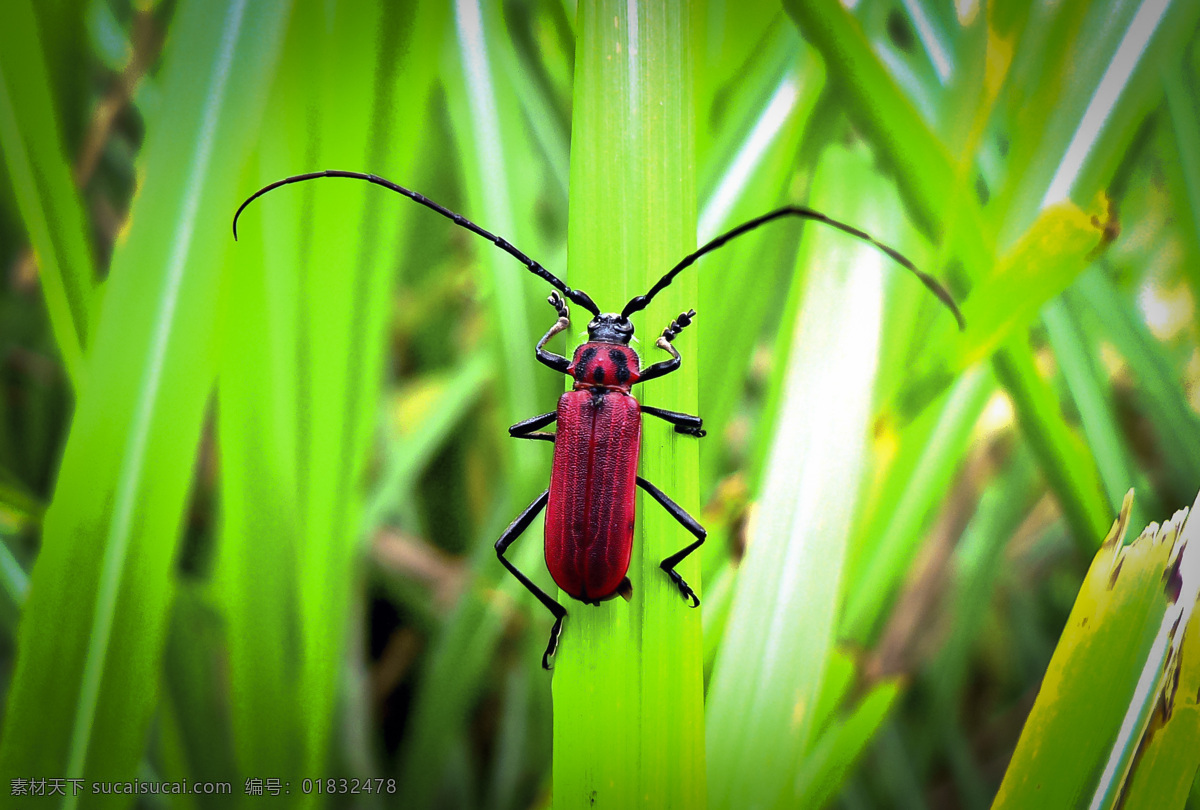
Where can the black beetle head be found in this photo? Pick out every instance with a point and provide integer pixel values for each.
(610, 328)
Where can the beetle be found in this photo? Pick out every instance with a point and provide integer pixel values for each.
(589, 504)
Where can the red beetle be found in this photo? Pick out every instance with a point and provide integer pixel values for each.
(590, 502)
(590, 514)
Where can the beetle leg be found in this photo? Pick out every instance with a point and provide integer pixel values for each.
(515, 530)
(665, 343)
(683, 422)
(555, 361)
(689, 523)
(525, 429)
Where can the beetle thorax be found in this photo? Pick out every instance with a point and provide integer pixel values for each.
(605, 365)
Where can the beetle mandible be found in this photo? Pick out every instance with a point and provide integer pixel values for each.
(590, 502)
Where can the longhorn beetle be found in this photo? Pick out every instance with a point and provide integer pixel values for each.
(590, 502)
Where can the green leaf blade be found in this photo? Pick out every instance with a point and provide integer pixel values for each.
(628, 704)
(93, 630)
(782, 629)
(49, 202)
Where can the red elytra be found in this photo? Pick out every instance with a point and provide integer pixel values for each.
(590, 516)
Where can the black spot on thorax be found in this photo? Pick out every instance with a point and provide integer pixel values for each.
(585, 360)
(622, 365)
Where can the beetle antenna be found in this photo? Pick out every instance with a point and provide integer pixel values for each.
(578, 296)
(639, 302)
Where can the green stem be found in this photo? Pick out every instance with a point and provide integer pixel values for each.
(628, 719)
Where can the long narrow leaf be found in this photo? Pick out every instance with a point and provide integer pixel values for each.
(493, 146)
(927, 174)
(1116, 663)
(93, 629)
(318, 263)
(34, 153)
(628, 710)
(781, 631)
(1066, 462)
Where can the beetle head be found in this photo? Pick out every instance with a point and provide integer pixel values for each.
(610, 328)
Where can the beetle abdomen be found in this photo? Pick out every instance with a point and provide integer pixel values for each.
(589, 518)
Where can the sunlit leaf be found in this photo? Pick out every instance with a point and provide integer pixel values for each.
(94, 626)
(1116, 665)
(628, 703)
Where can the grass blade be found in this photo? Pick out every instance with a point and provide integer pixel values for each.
(927, 174)
(1080, 117)
(1184, 135)
(1077, 359)
(94, 626)
(492, 144)
(49, 202)
(1116, 660)
(1065, 460)
(447, 401)
(318, 264)
(1159, 389)
(781, 632)
(758, 174)
(492, 141)
(628, 706)
(915, 483)
(1167, 757)
(834, 753)
(1043, 263)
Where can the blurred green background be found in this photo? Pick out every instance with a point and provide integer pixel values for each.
(249, 491)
